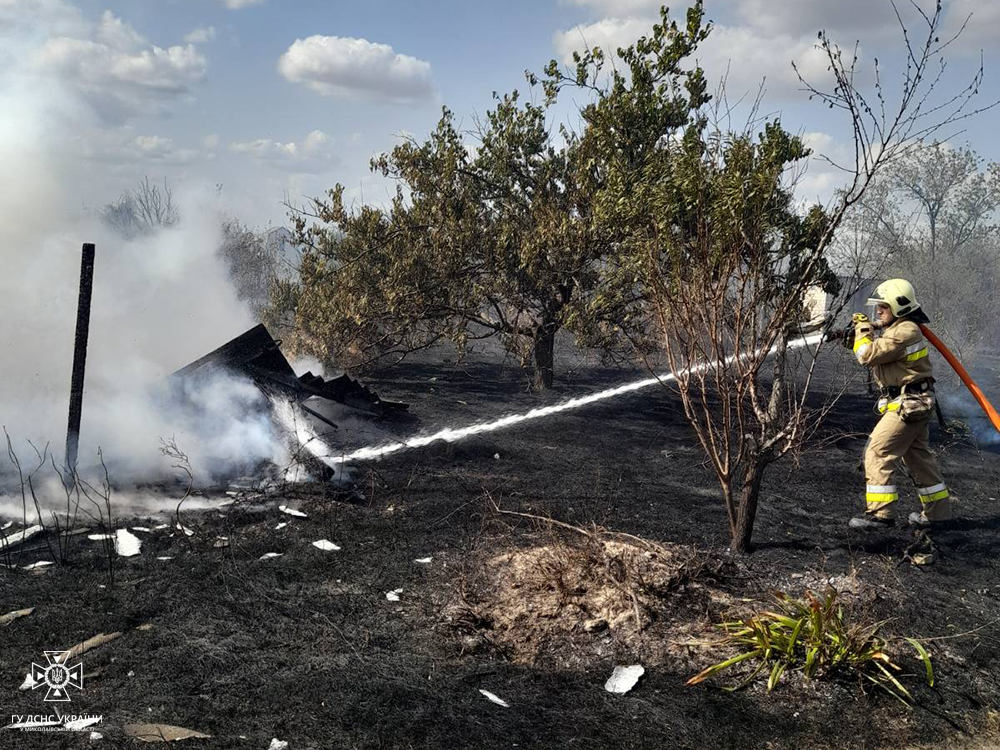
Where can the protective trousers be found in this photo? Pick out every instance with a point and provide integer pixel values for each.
(893, 439)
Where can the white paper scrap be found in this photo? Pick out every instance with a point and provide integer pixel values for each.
(326, 545)
(39, 564)
(623, 679)
(495, 699)
(22, 536)
(393, 596)
(165, 557)
(277, 744)
(292, 511)
(127, 544)
(99, 537)
(281, 525)
(269, 555)
(143, 529)
(424, 560)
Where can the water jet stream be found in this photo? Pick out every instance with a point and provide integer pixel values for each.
(452, 435)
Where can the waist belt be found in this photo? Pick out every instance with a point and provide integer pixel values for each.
(918, 386)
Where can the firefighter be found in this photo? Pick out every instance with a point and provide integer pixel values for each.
(898, 358)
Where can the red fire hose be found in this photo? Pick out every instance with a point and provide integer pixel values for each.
(966, 378)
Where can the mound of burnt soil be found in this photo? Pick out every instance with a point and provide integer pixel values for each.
(580, 600)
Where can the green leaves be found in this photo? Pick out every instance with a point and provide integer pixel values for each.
(813, 636)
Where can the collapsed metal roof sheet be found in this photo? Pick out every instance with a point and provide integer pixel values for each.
(256, 355)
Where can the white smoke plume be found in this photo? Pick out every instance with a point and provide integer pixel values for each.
(159, 302)
(962, 405)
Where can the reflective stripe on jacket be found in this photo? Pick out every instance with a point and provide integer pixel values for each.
(897, 357)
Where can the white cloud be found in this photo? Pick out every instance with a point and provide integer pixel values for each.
(121, 147)
(982, 28)
(210, 141)
(311, 155)
(609, 34)
(818, 142)
(808, 17)
(618, 7)
(351, 68)
(24, 19)
(747, 58)
(200, 35)
(117, 71)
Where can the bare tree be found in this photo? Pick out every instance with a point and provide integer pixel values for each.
(723, 259)
(142, 210)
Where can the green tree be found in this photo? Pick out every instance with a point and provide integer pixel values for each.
(496, 244)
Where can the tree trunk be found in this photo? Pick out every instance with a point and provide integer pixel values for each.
(777, 400)
(746, 510)
(544, 355)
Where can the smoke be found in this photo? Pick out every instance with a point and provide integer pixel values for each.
(159, 302)
(964, 407)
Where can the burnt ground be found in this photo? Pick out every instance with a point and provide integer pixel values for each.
(307, 648)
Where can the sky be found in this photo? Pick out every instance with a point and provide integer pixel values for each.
(278, 101)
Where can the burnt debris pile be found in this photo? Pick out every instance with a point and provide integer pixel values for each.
(257, 356)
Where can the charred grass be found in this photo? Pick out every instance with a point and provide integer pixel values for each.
(558, 550)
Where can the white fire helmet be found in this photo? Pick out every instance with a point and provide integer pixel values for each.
(898, 294)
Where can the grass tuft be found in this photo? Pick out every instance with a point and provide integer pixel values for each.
(814, 637)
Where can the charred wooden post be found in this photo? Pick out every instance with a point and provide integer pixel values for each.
(79, 357)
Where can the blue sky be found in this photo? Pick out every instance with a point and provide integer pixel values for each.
(280, 100)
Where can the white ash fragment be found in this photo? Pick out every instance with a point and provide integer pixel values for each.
(326, 545)
(623, 679)
(165, 557)
(281, 525)
(161, 526)
(277, 744)
(185, 529)
(292, 511)
(143, 529)
(39, 564)
(99, 537)
(269, 555)
(393, 596)
(127, 544)
(22, 536)
(424, 560)
(493, 698)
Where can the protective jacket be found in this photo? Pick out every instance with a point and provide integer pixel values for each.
(898, 357)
